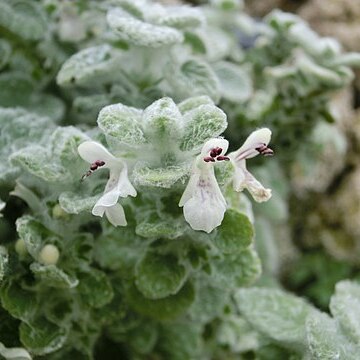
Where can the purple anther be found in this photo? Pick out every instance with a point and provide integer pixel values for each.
(264, 150)
(208, 159)
(222, 158)
(215, 152)
(93, 166)
(100, 163)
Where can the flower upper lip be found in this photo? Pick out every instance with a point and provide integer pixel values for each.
(117, 186)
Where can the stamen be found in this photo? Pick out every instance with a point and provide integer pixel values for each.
(94, 166)
(264, 150)
(100, 163)
(223, 158)
(215, 152)
(208, 159)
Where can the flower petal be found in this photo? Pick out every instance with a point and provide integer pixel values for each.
(254, 140)
(91, 151)
(213, 143)
(116, 215)
(206, 207)
(190, 188)
(258, 192)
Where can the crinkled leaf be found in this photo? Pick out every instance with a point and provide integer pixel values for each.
(167, 308)
(119, 250)
(53, 276)
(64, 143)
(235, 233)
(74, 203)
(21, 304)
(5, 52)
(194, 102)
(94, 65)
(209, 302)
(158, 276)
(32, 232)
(37, 161)
(19, 128)
(345, 307)
(324, 340)
(162, 122)
(4, 259)
(123, 123)
(144, 337)
(140, 33)
(95, 288)
(192, 78)
(155, 227)
(236, 270)
(202, 124)
(181, 340)
(16, 89)
(164, 177)
(235, 82)
(24, 18)
(42, 337)
(181, 17)
(276, 314)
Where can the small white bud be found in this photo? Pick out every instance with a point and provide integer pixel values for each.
(58, 212)
(20, 247)
(49, 255)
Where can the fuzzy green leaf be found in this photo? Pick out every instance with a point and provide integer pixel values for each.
(5, 52)
(193, 78)
(325, 341)
(181, 340)
(202, 124)
(276, 314)
(164, 177)
(167, 308)
(162, 122)
(95, 288)
(158, 276)
(123, 123)
(235, 233)
(181, 17)
(37, 161)
(140, 33)
(194, 102)
(4, 259)
(237, 270)
(155, 227)
(235, 82)
(345, 306)
(42, 337)
(24, 18)
(94, 65)
(209, 302)
(53, 276)
(64, 143)
(21, 304)
(74, 203)
(32, 232)
(143, 338)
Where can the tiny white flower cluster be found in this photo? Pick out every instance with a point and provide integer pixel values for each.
(203, 203)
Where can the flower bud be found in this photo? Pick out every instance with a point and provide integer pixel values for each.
(20, 247)
(49, 255)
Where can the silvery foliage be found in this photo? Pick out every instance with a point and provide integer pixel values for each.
(157, 74)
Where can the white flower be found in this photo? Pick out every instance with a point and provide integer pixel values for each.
(117, 186)
(255, 144)
(204, 204)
